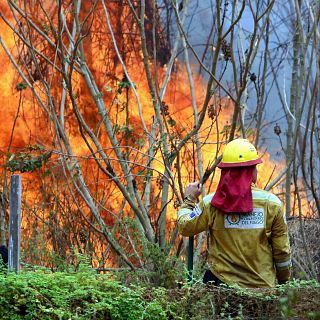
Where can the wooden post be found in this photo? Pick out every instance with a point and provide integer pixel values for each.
(14, 226)
(2, 227)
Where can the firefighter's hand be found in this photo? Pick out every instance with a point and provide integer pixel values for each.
(193, 190)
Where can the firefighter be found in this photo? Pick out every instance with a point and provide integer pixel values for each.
(248, 233)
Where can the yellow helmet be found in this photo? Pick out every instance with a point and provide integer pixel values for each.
(239, 153)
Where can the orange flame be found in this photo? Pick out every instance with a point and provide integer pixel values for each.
(32, 125)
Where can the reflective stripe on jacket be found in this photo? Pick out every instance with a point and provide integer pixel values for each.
(251, 250)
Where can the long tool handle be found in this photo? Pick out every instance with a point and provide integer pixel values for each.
(190, 258)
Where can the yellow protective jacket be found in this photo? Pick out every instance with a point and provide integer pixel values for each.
(251, 250)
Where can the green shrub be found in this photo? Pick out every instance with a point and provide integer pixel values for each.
(82, 295)
(41, 294)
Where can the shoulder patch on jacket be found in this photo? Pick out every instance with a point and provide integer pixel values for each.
(195, 212)
(183, 212)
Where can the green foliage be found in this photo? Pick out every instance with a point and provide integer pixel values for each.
(171, 122)
(82, 295)
(226, 129)
(298, 283)
(166, 270)
(127, 131)
(123, 84)
(160, 269)
(46, 28)
(21, 86)
(26, 160)
(86, 295)
(286, 304)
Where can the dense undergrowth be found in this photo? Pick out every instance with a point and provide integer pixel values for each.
(41, 294)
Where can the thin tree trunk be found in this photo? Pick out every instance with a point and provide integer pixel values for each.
(293, 104)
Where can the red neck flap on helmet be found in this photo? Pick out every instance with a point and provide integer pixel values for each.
(234, 190)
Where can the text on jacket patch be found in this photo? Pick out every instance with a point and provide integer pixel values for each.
(253, 220)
